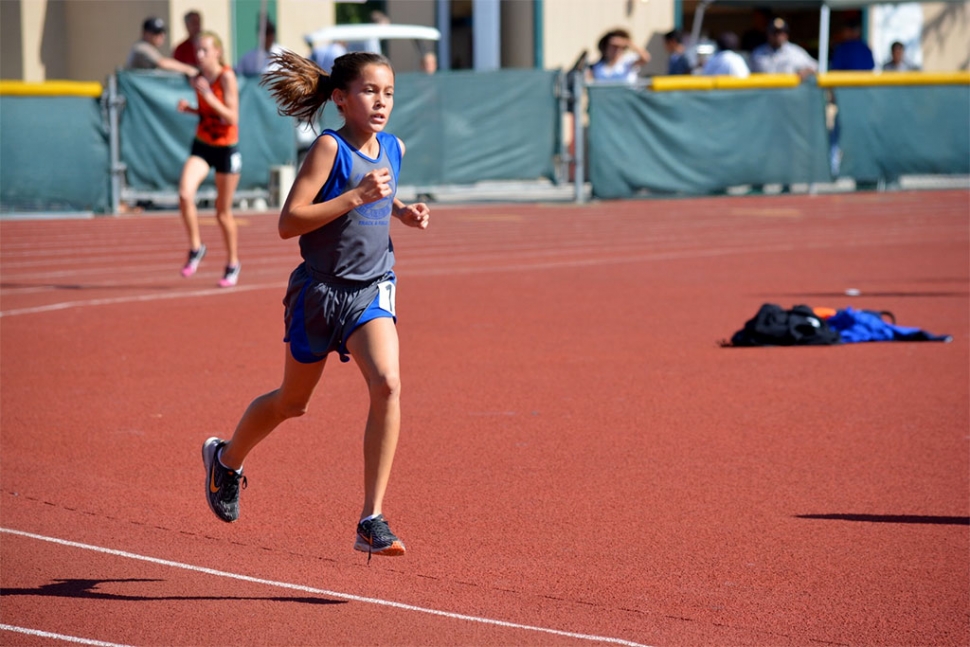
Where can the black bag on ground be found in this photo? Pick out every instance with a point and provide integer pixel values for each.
(775, 326)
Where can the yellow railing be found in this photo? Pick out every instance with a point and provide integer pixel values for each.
(753, 82)
(51, 89)
(858, 79)
(828, 80)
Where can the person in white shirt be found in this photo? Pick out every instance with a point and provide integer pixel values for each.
(257, 61)
(727, 62)
(780, 56)
(620, 58)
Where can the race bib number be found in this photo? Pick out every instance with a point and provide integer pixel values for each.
(385, 296)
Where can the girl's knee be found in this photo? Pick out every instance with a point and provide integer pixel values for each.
(289, 407)
(385, 387)
(293, 409)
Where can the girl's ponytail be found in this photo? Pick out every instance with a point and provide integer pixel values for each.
(299, 86)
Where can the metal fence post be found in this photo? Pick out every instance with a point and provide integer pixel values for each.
(579, 134)
(115, 102)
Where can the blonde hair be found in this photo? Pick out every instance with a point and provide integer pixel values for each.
(301, 88)
(218, 43)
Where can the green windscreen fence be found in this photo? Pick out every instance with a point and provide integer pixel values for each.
(699, 142)
(156, 138)
(465, 127)
(888, 131)
(458, 128)
(53, 154)
(462, 127)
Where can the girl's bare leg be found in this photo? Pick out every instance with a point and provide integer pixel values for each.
(193, 173)
(226, 184)
(374, 346)
(266, 412)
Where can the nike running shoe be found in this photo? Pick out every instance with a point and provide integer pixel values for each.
(375, 538)
(195, 257)
(231, 276)
(221, 483)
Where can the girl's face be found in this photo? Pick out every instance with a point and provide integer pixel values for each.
(209, 53)
(366, 104)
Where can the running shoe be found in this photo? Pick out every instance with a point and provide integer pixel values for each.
(375, 538)
(221, 483)
(195, 257)
(231, 277)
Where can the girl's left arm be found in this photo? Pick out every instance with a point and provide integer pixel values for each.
(413, 215)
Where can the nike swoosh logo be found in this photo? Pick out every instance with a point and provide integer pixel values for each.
(212, 483)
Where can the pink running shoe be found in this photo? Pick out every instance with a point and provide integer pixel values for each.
(231, 277)
(195, 257)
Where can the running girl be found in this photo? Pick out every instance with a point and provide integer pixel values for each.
(215, 146)
(341, 298)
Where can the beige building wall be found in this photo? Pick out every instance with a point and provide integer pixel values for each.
(571, 26)
(87, 40)
(99, 33)
(296, 18)
(946, 36)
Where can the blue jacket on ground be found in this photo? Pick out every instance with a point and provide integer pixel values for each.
(862, 325)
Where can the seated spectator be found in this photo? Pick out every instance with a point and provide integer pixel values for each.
(852, 53)
(727, 61)
(781, 56)
(620, 58)
(897, 61)
(674, 44)
(256, 61)
(145, 54)
(188, 50)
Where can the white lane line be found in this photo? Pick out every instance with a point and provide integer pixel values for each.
(332, 594)
(47, 634)
(64, 305)
(524, 265)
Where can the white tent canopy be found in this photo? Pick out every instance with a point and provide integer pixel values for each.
(361, 32)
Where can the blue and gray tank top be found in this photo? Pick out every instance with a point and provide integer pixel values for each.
(356, 246)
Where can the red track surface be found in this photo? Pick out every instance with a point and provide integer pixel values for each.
(578, 455)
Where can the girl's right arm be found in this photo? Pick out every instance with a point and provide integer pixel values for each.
(183, 106)
(300, 215)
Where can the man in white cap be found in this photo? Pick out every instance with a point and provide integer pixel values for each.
(780, 56)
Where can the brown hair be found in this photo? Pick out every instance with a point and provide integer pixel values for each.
(301, 88)
(622, 33)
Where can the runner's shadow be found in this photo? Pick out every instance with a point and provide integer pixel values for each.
(86, 589)
(892, 518)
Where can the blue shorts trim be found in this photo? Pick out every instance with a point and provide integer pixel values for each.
(373, 311)
(299, 342)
